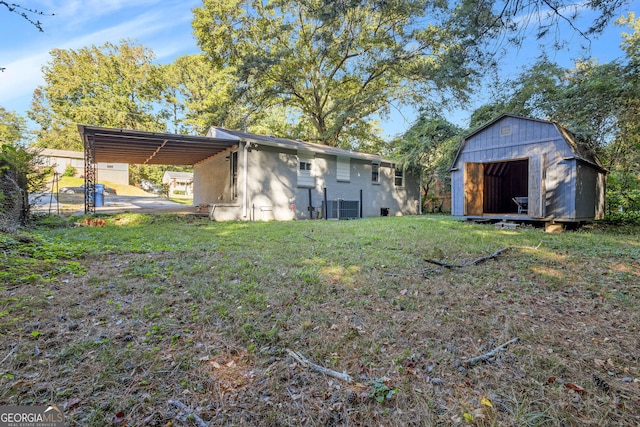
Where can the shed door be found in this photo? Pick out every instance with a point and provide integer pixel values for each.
(473, 188)
(537, 197)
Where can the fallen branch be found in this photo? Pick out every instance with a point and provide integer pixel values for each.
(305, 362)
(189, 413)
(489, 355)
(9, 354)
(478, 260)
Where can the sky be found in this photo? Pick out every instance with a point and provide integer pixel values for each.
(165, 27)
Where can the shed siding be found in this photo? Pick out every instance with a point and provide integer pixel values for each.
(559, 188)
(587, 200)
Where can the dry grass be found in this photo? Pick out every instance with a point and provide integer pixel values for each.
(149, 309)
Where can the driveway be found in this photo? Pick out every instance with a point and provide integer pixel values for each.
(47, 203)
(142, 204)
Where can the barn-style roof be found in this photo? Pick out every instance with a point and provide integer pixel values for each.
(580, 150)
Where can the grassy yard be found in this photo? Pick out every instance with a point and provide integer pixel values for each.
(125, 323)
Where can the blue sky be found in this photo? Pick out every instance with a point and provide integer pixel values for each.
(165, 27)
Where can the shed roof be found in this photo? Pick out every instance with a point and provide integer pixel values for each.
(580, 150)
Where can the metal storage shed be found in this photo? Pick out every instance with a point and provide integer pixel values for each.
(526, 169)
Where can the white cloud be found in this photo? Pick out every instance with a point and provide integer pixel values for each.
(164, 26)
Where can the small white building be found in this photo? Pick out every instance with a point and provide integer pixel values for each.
(61, 160)
(178, 183)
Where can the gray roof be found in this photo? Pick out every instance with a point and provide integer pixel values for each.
(182, 176)
(292, 144)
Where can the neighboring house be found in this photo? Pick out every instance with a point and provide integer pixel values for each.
(521, 168)
(264, 177)
(60, 160)
(178, 182)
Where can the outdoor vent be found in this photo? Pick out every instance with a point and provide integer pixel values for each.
(342, 209)
(505, 130)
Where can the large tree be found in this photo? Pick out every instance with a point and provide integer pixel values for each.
(12, 127)
(199, 95)
(340, 63)
(109, 85)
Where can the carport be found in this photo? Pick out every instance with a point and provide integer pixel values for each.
(144, 148)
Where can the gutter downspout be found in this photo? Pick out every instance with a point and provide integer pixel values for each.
(245, 175)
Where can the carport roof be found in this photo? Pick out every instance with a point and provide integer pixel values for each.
(140, 147)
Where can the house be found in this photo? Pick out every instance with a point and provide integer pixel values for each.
(264, 177)
(244, 176)
(61, 160)
(178, 183)
(526, 169)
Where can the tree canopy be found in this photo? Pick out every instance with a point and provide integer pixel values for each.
(337, 64)
(12, 127)
(109, 85)
(340, 64)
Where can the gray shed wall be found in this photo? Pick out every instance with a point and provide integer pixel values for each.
(564, 197)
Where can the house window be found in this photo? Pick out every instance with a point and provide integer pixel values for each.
(305, 169)
(375, 173)
(233, 170)
(343, 171)
(399, 178)
(305, 166)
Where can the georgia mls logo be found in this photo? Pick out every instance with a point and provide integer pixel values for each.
(31, 416)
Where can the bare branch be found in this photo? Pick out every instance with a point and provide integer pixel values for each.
(189, 413)
(478, 260)
(25, 12)
(491, 354)
(305, 362)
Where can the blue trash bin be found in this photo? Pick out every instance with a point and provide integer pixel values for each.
(98, 199)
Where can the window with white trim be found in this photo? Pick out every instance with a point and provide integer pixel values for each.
(399, 178)
(305, 166)
(305, 169)
(375, 173)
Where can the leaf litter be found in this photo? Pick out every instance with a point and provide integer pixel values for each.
(210, 330)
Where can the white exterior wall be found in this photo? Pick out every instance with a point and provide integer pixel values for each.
(275, 189)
